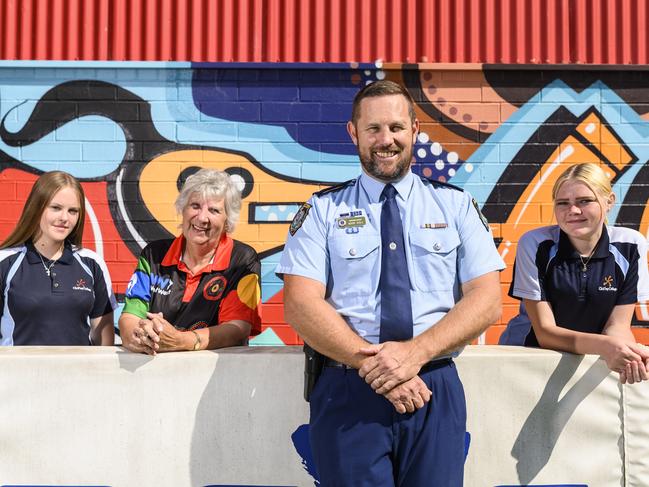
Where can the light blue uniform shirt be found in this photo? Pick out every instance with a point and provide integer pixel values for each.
(338, 243)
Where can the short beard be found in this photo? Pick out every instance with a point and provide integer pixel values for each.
(400, 170)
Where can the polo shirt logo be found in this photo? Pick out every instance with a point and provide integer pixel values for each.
(161, 284)
(131, 283)
(607, 284)
(214, 288)
(81, 286)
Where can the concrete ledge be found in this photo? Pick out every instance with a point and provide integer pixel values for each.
(104, 416)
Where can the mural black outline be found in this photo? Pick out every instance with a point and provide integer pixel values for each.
(78, 98)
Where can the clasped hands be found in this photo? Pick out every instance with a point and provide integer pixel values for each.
(391, 370)
(155, 334)
(629, 359)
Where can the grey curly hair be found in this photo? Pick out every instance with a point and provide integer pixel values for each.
(213, 184)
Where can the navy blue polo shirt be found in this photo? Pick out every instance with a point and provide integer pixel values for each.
(38, 309)
(548, 268)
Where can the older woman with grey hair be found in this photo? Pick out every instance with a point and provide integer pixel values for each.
(200, 290)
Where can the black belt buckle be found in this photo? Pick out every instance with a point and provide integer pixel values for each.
(436, 364)
(329, 362)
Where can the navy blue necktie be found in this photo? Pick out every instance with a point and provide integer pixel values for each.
(394, 284)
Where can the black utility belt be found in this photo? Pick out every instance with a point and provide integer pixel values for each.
(432, 365)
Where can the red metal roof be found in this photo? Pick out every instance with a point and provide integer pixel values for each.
(413, 31)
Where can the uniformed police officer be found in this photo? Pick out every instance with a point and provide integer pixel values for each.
(388, 276)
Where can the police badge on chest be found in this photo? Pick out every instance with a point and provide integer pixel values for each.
(352, 221)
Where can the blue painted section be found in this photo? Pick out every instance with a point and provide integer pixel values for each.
(274, 284)
(467, 445)
(267, 338)
(270, 283)
(275, 213)
(312, 106)
(175, 115)
(292, 120)
(116, 314)
(300, 438)
(433, 161)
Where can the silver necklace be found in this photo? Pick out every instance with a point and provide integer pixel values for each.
(48, 268)
(584, 263)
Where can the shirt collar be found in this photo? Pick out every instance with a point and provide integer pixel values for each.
(220, 262)
(34, 257)
(374, 187)
(567, 251)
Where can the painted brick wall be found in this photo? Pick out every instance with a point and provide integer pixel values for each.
(131, 131)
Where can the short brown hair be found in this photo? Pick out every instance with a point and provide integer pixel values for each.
(382, 88)
(46, 186)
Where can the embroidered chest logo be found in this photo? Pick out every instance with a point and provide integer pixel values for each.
(214, 288)
(80, 285)
(607, 284)
(161, 284)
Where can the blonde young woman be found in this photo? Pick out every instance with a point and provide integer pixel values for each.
(579, 280)
(53, 291)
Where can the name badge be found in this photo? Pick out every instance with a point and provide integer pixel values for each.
(353, 219)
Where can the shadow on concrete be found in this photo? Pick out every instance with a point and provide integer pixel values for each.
(542, 428)
(132, 361)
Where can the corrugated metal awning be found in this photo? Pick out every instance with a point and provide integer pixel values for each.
(408, 31)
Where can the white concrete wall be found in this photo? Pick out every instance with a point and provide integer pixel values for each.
(102, 416)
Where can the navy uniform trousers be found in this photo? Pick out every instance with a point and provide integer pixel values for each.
(359, 440)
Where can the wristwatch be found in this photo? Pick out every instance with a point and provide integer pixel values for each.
(197, 343)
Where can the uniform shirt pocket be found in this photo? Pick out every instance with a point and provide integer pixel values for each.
(354, 261)
(434, 255)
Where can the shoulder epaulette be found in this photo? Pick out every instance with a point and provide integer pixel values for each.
(439, 184)
(334, 188)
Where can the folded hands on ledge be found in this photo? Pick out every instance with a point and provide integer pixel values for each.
(155, 334)
(391, 370)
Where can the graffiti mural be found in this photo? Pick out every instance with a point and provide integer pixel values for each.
(132, 134)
